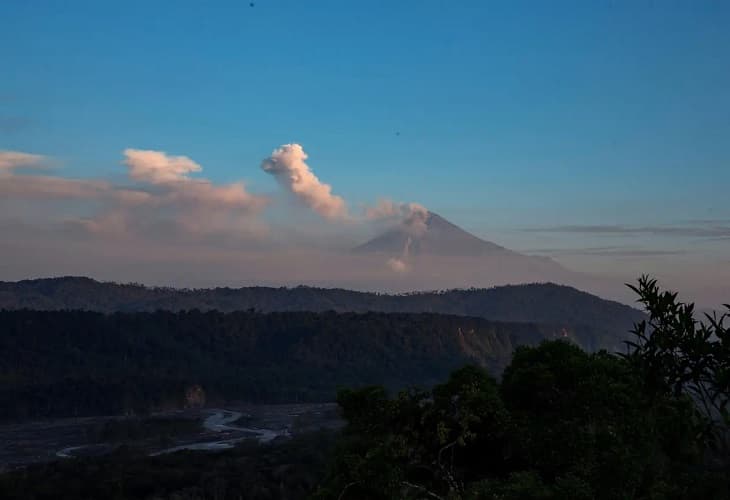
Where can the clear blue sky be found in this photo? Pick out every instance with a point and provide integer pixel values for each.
(510, 115)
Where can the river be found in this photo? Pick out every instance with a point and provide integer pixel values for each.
(219, 422)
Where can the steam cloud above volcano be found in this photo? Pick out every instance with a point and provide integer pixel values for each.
(162, 220)
(166, 196)
(412, 215)
(287, 164)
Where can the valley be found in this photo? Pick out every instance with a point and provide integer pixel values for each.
(210, 429)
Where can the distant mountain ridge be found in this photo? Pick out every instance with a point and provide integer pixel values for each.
(537, 303)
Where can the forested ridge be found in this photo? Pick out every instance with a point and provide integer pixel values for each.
(539, 303)
(69, 363)
(652, 423)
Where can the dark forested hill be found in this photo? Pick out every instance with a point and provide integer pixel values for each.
(539, 303)
(56, 363)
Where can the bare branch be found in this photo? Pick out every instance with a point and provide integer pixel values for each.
(421, 488)
(347, 487)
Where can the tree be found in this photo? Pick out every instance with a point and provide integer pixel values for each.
(678, 355)
(561, 424)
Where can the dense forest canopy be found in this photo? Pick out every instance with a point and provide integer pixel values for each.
(539, 303)
(653, 423)
(70, 363)
(561, 423)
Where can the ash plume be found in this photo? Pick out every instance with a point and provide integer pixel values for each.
(287, 164)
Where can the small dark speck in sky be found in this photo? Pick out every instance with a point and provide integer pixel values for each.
(397, 133)
(251, 4)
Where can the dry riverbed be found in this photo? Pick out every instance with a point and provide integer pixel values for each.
(205, 429)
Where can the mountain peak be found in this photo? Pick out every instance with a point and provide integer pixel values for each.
(440, 237)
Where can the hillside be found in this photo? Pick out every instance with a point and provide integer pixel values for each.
(538, 303)
(79, 363)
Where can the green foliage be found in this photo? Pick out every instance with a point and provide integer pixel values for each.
(678, 355)
(421, 442)
(75, 363)
(561, 424)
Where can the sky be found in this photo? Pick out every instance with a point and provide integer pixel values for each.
(596, 133)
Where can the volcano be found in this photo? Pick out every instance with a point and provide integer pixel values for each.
(436, 237)
(431, 252)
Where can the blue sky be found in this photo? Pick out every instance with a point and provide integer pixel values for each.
(501, 116)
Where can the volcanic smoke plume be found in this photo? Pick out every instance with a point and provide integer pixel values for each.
(413, 216)
(287, 164)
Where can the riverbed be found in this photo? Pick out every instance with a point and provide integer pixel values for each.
(217, 429)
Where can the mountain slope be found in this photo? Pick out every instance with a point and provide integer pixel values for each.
(438, 237)
(539, 303)
(56, 363)
(427, 251)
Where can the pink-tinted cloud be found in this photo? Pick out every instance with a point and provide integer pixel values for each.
(170, 175)
(204, 193)
(397, 265)
(113, 223)
(156, 167)
(384, 209)
(132, 197)
(12, 160)
(288, 165)
(193, 206)
(47, 187)
(163, 195)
